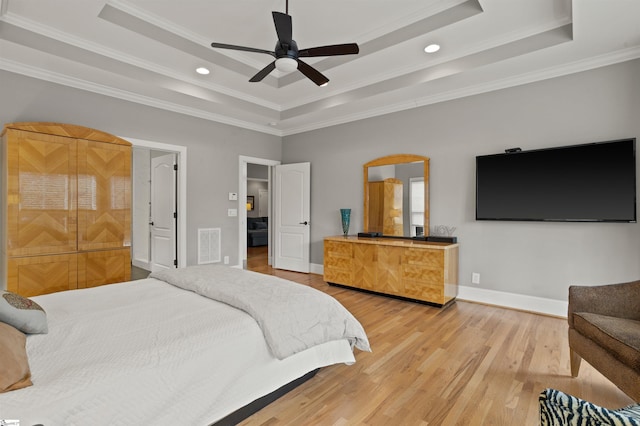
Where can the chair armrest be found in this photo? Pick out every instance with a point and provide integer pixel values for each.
(615, 300)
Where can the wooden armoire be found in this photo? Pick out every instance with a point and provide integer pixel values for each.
(66, 206)
(385, 207)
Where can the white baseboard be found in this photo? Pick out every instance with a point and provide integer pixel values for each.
(141, 264)
(521, 302)
(316, 268)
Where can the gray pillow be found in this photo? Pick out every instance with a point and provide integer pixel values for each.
(22, 313)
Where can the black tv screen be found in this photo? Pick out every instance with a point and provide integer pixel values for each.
(593, 182)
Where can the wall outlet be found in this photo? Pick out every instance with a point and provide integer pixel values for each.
(475, 278)
(226, 260)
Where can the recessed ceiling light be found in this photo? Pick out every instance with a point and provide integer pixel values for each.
(202, 70)
(432, 48)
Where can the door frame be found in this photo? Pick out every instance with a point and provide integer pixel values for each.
(181, 160)
(243, 160)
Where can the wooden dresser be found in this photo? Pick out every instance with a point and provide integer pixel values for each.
(66, 202)
(415, 270)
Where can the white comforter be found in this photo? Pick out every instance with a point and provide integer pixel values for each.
(293, 317)
(148, 353)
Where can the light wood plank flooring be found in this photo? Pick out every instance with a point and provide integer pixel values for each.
(468, 364)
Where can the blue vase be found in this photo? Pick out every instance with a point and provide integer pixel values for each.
(345, 214)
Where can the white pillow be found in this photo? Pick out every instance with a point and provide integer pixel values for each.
(22, 313)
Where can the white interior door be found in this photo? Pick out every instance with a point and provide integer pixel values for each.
(263, 202)
(292, 215)
(163, 210)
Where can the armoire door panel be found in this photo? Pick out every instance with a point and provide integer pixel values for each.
(41, 193)
(97, 268)
(104, 195)
(31, 276)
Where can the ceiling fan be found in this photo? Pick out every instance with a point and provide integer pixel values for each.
(288, 55)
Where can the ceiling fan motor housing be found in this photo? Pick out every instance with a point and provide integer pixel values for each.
(286, 50)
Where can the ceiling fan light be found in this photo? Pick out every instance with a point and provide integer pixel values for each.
(286, 64)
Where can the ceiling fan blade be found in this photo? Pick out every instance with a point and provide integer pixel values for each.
(263, 72)
(243, 48)
(312, 73)
(333, 50)
(283, 26)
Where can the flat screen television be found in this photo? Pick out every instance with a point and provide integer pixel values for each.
(593, 182)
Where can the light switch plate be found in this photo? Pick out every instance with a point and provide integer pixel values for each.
(232, 212)
(233, 196)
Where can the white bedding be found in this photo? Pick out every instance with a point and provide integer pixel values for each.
(145, 352)
(292, 317)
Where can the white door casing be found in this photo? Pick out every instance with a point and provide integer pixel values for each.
(163, 209)
(292, 216)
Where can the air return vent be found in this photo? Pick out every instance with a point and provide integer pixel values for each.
(208, 245)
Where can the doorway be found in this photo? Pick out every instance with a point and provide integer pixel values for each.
(254, 176)
(158, 229)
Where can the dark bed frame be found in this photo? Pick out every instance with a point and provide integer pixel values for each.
(255, 406)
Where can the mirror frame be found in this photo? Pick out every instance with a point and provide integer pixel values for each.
(392, 160)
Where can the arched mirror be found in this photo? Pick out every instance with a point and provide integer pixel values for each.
(396, 195)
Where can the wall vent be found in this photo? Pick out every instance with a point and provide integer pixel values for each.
(208, 245)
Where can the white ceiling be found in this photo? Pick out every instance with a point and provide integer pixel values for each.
(146, 51)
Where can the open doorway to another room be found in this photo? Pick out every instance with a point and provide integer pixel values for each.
(157, 240)
(255, 219)
(258, 208)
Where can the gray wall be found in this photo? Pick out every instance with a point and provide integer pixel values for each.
(537, 259)
(212, 148)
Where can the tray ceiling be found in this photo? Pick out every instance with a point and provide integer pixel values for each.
(146, 51)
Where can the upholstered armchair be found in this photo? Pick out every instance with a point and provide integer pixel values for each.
(560, 409)
(604, 330)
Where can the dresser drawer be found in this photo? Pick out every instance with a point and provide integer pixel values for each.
(433, 259)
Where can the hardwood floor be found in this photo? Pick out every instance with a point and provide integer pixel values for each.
(468, 364)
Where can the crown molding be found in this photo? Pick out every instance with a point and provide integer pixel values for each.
(412, 18)
(53, 77)
(63, 37)
(472, 49)
(526, 78)
(169, 26)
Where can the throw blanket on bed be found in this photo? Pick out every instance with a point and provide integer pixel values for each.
(293, 317)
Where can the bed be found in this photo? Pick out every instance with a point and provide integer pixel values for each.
(162, 351)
